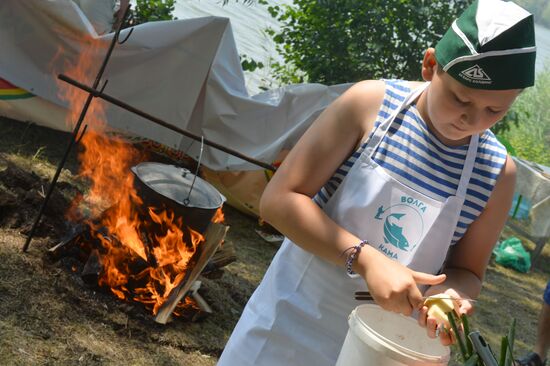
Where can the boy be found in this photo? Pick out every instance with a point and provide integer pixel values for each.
(411, 191)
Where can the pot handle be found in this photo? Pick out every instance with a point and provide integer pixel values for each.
(186, 200)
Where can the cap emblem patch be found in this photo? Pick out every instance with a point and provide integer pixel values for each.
(476, 75)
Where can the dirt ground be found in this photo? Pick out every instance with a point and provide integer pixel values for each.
(48, 316)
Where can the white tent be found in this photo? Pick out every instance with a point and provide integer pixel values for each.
(186, 72)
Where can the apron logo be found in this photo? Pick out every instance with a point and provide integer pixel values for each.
(393, 233)
(402, 226)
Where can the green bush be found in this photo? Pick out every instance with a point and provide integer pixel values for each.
(337, 41)
(530, 136)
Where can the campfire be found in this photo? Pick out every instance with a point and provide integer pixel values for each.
(144, 231)
(131, 229)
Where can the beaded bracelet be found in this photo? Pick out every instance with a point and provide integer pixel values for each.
(353, 253)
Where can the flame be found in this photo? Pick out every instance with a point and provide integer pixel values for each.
(143, 252)
(218, 216)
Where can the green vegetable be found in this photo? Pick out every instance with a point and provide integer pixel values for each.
(473, 360)
(458, 335)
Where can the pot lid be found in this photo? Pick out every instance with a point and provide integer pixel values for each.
(176, 183)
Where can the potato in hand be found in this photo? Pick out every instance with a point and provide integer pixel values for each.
(438, 307)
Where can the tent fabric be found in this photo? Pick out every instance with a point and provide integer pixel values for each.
(533, 184)
(100, 13)
(186, 72)
(10, 91)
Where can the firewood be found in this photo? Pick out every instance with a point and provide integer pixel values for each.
(63, 248)
(204, 308)
(215, 233)
(224, 255)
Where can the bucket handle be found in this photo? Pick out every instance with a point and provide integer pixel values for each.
(186, 200)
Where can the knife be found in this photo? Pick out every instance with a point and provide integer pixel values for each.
(366, 296)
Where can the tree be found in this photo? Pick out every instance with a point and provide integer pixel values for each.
(152, 10)
(337, 41)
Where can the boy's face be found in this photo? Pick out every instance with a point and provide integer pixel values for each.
(456, 111)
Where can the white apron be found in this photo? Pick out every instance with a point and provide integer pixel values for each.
(298, 314)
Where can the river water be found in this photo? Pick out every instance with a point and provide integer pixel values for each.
(250, 21)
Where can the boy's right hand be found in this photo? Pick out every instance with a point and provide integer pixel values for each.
(392, 285)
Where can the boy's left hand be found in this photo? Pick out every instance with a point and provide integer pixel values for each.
(462, 306)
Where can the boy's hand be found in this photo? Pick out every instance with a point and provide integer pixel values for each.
(392, 285)
(433, 328)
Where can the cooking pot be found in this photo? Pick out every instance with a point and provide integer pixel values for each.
(174, 188)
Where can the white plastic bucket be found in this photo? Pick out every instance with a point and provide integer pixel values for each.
(377, 337)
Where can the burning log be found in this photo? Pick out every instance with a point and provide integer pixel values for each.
(145, 263)
(148, 247)
(214, 235)
(67, 243)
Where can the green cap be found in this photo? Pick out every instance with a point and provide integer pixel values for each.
(490, 46)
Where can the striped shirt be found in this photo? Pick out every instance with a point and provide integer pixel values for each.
(414, 156)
